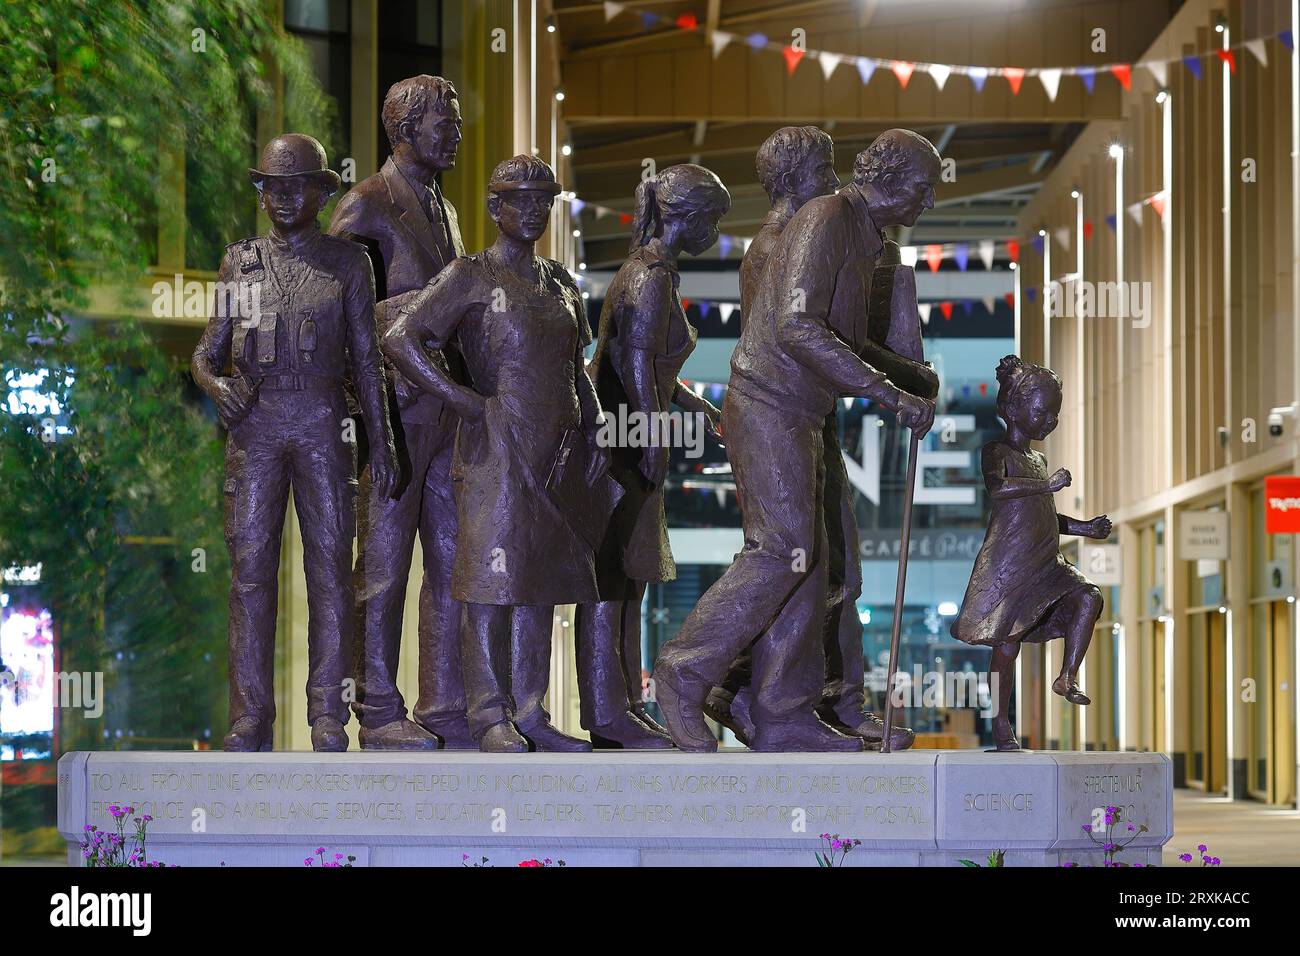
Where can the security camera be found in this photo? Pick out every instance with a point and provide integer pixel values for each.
(1276, 415)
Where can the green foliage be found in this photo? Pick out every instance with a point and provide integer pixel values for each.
(96, 100)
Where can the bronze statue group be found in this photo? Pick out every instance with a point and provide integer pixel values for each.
(480, 432)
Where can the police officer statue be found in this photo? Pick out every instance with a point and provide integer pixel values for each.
(284, 406)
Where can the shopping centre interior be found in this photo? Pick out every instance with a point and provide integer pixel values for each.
(1127, 213)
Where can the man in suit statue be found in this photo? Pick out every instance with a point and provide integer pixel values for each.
(798, 353)
(411, 232)
(796, 164)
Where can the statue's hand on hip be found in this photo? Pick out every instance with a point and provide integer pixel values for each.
(234, 399)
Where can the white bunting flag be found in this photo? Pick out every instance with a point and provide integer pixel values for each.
(1160, 70)
(1062, 236)
(989, 303)
(720, 39)
(940, 73)
(1261, 52)
(924, 308)
(986, 253)
(612, 10)
(1051, 80)
(829, 61)
(1135, 212)
(908, 255)
(726, 308)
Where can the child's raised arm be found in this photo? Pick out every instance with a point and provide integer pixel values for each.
(1001, 486)
(1098, 527)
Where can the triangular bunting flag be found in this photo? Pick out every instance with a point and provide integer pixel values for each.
(686, 303)
(940, 73)
(602, 211)
(704, 308)
(1062, 237)
(1287, 38)
(792, 58)
(933, 256)
(946, 309)
(612, 10)
(903, 70)
(1087, 229)
(1051, 80)
(1031, 293)
(961, 255)
(1157, 202)
(625, 218)
(1160, 70)
(908, 256)
(1228, 57)
(967, 305)
(1013, 250)
(1135, 212)
(978, 75)
(719, 41)
(577, 205)
(724, 245)
(1261, 52)
(828, 61)
(1193, 63)
(687, 22)
(721, 492)
(1124, 73)
(865, 69)
(986, 253)
(1038, 244)
(1010, 300)
(1112, 220)
(989, 303)
(1089, 77)
(725, 309)
(1015, 76)
(756, 41)
(648, 19)
(924, 308)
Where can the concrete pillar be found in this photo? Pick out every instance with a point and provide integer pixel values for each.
(1127, 734)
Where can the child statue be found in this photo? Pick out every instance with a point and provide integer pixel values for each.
(1022, 589)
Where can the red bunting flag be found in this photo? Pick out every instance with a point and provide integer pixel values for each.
(1124, 73)
(984, 388)
(946, 309)
(1015, 76)
(1087, 229)
(625, 218)
(903, 70)
(687, 21)
(1228, 57)
(1158, 203)
(1011, 299)
(792, 58)
(934, 256)
(1013, 250)
(686, 304)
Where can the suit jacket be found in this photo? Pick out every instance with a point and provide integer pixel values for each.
(800, 345)
(384, 213)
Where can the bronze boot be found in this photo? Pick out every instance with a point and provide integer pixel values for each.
(400, 734)
(328, 736)
(247, 735)
(803, 734)
(626, 732)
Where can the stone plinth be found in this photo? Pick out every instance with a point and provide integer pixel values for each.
(619, 808)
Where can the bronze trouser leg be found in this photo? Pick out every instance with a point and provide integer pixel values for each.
(387, 529)
(530, 665)
(324, 495)
(257, 494)
(442, 685)
(608, 643)
(485, 660)
(776, 587)
(845, 667)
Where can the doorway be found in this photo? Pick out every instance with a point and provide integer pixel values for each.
(1271, 770)
(1207, 701)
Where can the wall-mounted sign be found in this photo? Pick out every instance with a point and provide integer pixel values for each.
(1282, 504)
(1102, 563)
(1277, 578)
(1203, 536)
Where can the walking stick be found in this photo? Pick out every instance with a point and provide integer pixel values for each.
(899, 589)
(894, 346)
